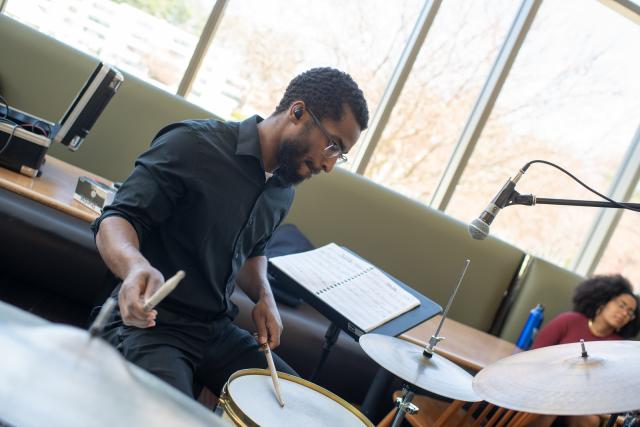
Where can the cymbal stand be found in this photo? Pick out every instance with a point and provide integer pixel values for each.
(404, 405)
(101, 319)
(435, 338)
(613, 417)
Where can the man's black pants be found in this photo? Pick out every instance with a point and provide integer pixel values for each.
(188, 353)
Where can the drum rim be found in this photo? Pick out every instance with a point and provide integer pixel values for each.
(239, 417)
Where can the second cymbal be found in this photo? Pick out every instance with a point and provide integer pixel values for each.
(557, 380)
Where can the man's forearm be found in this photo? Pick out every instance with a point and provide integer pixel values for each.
(252, 279)
(118, 244)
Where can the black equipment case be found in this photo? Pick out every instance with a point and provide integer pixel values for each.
(25, 139)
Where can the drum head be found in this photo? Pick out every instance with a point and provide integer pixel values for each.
(306, 404)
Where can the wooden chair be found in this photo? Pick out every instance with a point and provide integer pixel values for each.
(435, 413)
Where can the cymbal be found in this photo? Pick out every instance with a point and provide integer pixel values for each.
(556, 380)
(406, 361)
(56, 375)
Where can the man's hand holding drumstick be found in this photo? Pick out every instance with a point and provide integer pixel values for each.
(164, 290)
(138, 310)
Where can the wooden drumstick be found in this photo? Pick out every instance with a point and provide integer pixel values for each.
(164, 290)
(274, 374)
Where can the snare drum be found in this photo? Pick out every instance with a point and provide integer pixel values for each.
(248, 400)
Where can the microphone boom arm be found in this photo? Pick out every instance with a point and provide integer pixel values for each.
(508, 196)
(531, 200)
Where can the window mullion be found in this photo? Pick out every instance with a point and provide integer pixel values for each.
(605, 223)
(395, 86)
(484, 104)
(202, 47)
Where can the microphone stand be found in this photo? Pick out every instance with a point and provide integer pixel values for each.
(531, 200)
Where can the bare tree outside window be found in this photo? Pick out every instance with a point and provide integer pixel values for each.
(252, 57)
(439, 95)
(571, 98)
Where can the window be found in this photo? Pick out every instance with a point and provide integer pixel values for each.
(439, 95)
(622, 255)
(572, 99)
(253, 56)
(151, 40)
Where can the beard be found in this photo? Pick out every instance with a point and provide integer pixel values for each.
(290, 157)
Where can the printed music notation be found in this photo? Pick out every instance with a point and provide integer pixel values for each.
(356, 289)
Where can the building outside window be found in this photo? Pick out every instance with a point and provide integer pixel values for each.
(153, 41)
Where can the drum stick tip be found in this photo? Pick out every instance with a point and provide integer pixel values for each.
(274, 374)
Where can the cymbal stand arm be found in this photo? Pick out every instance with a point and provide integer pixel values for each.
(435, 338)
(404, 405)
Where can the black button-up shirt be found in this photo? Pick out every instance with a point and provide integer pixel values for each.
(200, 202)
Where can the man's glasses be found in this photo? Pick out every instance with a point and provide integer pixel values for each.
(333, 149)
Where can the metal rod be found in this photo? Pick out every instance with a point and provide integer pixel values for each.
(584, 354)
(531, 200)
(435, 338)
(101, 319)
(404, 406)
(592, 203)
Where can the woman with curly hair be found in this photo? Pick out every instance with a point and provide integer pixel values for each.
(604, 308)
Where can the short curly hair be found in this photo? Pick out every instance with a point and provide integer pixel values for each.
(325, 90)
(595, 292)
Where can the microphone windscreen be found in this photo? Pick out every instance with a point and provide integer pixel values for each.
(478, 229)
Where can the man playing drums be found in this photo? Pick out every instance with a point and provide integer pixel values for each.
(205, 198)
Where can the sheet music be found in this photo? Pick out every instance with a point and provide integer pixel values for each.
(356, 289)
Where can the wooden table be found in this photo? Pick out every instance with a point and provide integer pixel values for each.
(54, 188)
(464, 345)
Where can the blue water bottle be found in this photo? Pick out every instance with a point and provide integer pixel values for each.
(528, 334)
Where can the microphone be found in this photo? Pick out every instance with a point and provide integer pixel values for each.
(479, 227)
